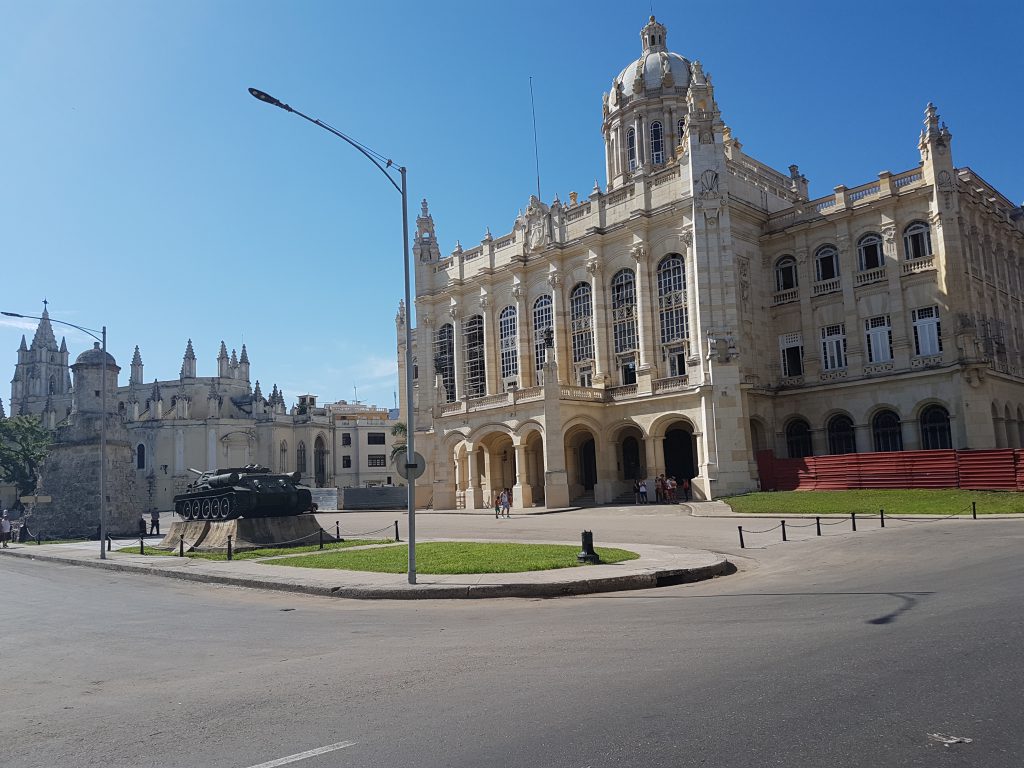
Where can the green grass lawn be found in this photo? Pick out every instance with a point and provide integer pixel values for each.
(438, 557)
(894, 502)
(256, 553)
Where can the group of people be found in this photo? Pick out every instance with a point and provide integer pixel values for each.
(154, 523)
(502, 503)
(665, 490)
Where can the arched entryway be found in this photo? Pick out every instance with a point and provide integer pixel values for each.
(680, 452)
(632, 463)
(580, 462)
(320, 462)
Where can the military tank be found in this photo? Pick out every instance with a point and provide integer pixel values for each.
(250, 491)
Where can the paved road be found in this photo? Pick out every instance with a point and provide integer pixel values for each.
(843, 651)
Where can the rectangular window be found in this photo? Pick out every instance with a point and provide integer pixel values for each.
(927, 331)
(346, 438)
(346, 462)
(376, 460)
(676, 357)
(627, 368)
(791, 348)
(878, 332)
(585, 376)
(375, 438)
(833, 347)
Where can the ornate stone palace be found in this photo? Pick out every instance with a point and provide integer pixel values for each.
(702, 309)
(161, 428)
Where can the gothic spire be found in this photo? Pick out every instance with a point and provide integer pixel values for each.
(44, 333)
(245, 356)
(234, 359)
(63, 345)
(24, 346)
(137, 357)
(256, 393)
(188, 362)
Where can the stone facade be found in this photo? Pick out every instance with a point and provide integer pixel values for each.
(158, 430)
(702, 308)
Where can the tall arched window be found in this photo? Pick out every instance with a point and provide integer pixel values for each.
(282, 461)
(674, 318)
(53, 385)
(473, 349)
(917, 241)
(798, 439)
(624, 311)
(826, 263)
(300, 458)
(840, 435)
(542, 320)
(631, 149)
(444, 359)
(657, 144)
(887, 431)
(320, 462)
(140, 456)
(935, 433)
(581, 312)
(785, 274)
(509, 338)
(869, 252)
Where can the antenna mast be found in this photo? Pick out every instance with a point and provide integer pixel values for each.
(536, 152)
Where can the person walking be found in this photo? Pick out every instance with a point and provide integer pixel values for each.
(154, 521)
(686, 489)
(5, 529)
(142, 525)
(643, 491)
(636, 491)
(506, 502)
(659, 488)
(497, 505)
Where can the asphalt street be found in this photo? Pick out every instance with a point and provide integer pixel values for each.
(854, 649)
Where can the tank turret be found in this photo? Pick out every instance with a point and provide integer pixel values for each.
(250, 491)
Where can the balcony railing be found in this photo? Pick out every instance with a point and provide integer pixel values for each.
(914, 266)
(870, 276)
(827, 286)
(785, 297)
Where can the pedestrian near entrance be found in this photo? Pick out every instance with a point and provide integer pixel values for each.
(643, 491)
(686, 489)
(659, 488)
(154, 521)
(670, 489)
(142, 525)
(497, 506)
(506, 502)
(636, 491)
(5, 529)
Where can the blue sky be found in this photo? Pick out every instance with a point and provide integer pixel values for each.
(144, 189)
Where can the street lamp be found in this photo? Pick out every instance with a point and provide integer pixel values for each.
(102, 338)
(386, 166)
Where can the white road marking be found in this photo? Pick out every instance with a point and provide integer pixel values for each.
(304, 755)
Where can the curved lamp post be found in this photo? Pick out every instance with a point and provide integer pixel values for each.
(386, 166)
(102, 338)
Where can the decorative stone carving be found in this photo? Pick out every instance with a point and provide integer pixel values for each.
(945, 180)
(709, 183)
(454, 311)
(686, 237)
(706, 136)
(554, 278)
(889, 233)
(639, 252)
(517, 291)
(743, 268)
(594, 267)
(538, 232)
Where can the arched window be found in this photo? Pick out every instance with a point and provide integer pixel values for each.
(282, 461)
(509, 339)
(680, 128)
(785, 274)
(444, 359)
(415, 369)
(581, 312)
(869, 252)
(887, 431)
(53, 385)
(826, 263)
(840, 435)
(657, 144)
(140, 456)
(631, 149)
(624, 311)
(542, 320)
(675, 329)
(473, 349)
(320, 462)
(300, 458)
(798, 439)
(917, 241)
(935, 434)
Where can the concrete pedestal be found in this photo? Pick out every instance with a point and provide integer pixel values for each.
(246, 533)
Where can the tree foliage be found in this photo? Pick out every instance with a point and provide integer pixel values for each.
(24, 445)
(399, 432)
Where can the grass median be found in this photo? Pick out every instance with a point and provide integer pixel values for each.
(894, 502)
(254, 554)
(450, 557)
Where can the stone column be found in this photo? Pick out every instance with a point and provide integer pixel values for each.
(474, 494)
(605, 458)
(556, 488)
(598, 318)
(492, 379)
(562, 327)
(458, 354)
(522, 491)
(524, 327)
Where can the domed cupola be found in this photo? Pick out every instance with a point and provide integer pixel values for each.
(645, 111)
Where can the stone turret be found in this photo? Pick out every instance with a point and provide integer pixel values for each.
(223, 362)
(243, 365)
(424, 247)
(136, 371)
(188, 363)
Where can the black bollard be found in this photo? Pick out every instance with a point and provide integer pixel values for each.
(109, 542)
(817, 525)
(784, 531)
(230, 553)
(740, 527)
(181, 545)
(396, 531)
(142, 545)
(588, 555)
(321, 538)
(853, 520)
(337, 530)
(881, 517)
(974, 510)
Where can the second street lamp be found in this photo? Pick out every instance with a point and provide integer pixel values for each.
(386, 166)
(103, 417)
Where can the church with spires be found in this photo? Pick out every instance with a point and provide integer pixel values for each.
(703, 311)
(159, 429)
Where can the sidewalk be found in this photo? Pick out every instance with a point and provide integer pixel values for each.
(657, 566)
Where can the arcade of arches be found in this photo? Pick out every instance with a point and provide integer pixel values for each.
(600, 464)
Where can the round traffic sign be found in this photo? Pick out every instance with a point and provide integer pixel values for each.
(415, 469)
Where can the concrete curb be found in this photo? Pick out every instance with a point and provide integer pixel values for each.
(642, 579)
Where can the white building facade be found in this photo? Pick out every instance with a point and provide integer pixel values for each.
(701, 308)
